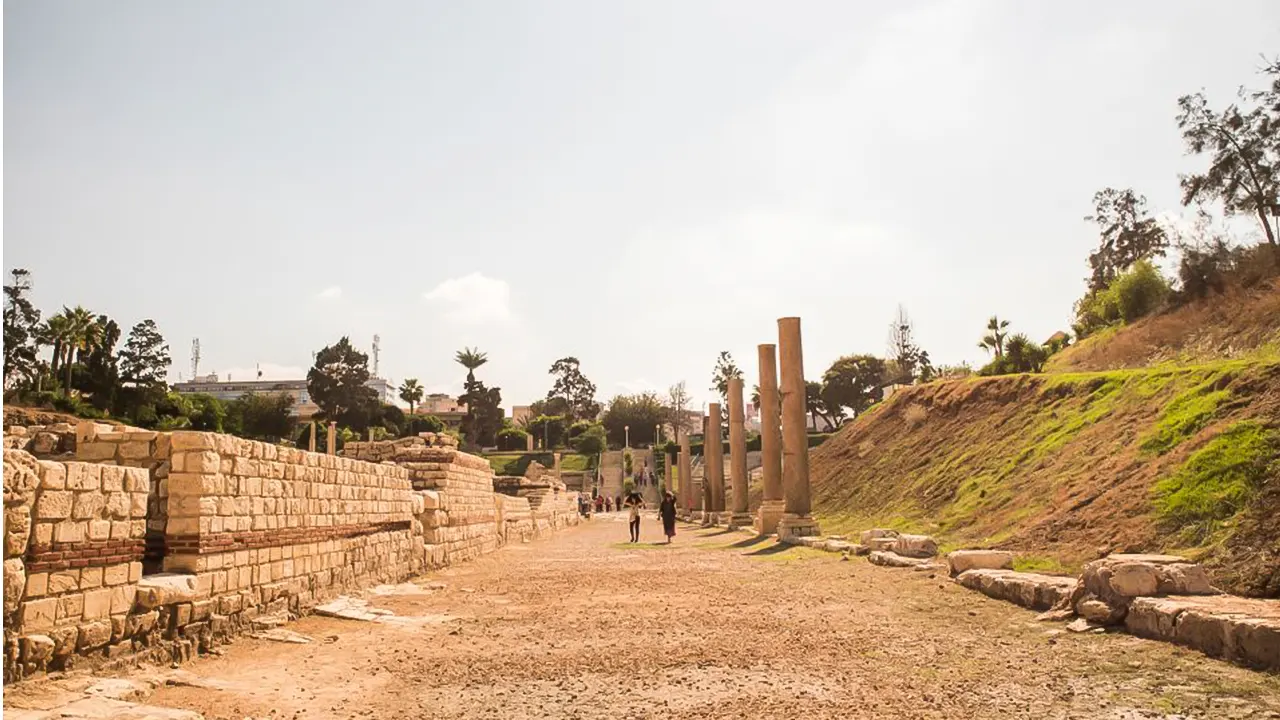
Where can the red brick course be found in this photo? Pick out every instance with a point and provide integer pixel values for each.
(258, 539)
(91, 553)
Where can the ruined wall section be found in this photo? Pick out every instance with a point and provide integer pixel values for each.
(281, 527)
(147, 449)
(73, 558)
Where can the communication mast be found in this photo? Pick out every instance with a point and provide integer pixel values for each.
(195, 359)
(376, 348)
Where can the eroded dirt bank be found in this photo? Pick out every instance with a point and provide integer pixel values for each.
(716, 626)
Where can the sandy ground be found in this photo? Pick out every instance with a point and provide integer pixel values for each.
(718, 625)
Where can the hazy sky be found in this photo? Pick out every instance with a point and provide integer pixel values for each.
(638, 184)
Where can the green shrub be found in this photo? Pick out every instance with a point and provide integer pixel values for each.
(1137, 292)
(1217, 481)
(512, 439)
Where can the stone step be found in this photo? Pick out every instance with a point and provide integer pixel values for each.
(1030, 590)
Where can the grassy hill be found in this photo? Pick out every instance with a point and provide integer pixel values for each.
(1067, 465)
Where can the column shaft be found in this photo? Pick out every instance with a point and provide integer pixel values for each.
(713, 453)
(795, 440)
(738, 454)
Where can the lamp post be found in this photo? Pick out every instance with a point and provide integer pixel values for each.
(657, 434)
(626, 429)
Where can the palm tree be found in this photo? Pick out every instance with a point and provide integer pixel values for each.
(83, 334)
(55, 333)
(993, 341)
(411, 392)
(471, 358)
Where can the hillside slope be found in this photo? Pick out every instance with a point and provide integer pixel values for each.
(1235, 325)
(1064, 467)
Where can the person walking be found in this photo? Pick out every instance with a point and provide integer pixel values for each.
(634, 501)
(668, 511)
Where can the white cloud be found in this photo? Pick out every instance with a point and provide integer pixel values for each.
(330, 292)
(471, 299)
(639, 385)
(270, 371)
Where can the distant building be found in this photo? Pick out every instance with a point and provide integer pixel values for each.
(521, 413)
(303, 407)
(385, 390)
(227, 390)
(443, 406)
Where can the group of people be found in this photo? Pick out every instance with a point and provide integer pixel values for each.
(633, 503)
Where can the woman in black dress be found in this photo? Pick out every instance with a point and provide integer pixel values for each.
(668, 511)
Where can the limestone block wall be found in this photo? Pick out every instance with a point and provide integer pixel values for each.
(515, 519)
(99, 443)
(282, 528)
(73, 558)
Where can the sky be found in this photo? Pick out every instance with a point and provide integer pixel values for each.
(639, 185)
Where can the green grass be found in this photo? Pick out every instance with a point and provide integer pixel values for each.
(1217, 481)
(515, 463)
(1041, 564)
(1188, 413)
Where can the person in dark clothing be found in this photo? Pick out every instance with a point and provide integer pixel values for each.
(668, 511)
(634, 502)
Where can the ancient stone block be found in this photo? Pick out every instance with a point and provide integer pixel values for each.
(97, 604)
(70, 531)
(64, 581)
(15, 582)
(93, 635)
(122, 597)
(916, 546)
(116, 574)
(37, 614)
(83, 476)
(53, 475)
(37, 649)
(90, 578)
(37, 585)
(54, 505)
(960, 560)
(166, 589)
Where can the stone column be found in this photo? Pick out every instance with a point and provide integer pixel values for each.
(686, 474)
(796, 519)
(555, 457)
(771, 507)
(713, 456)
(741, 515)
(528, 443)
(668, 472)
(311, 444)
(332, 446)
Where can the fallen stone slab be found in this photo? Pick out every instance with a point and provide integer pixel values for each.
(282, 635)
(960, 560)
(166, 589)
(1030, 590)
(917, 546)
(868, 535)
(892, 559)
(838, 546)
(1111, 583)
(882, 544)
(1242, 630)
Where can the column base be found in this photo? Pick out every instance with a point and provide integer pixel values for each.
(768, 515)
(795, 526)
(710, 519)
(740, 520)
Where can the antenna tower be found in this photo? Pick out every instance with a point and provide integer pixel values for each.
(195, 359)
(376, 347)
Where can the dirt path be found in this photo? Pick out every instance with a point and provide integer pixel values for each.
(718, 625)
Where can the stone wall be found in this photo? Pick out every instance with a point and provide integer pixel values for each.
(73, 558)
(133, 447)
(284, 524)
(248, 535)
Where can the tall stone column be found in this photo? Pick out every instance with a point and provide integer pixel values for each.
(332, 439)
(555, 458)
(686, 474)
(771, 507)
(797, 520)
(668, 472)
(713, 455)
(741, 515)
(311, 443)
